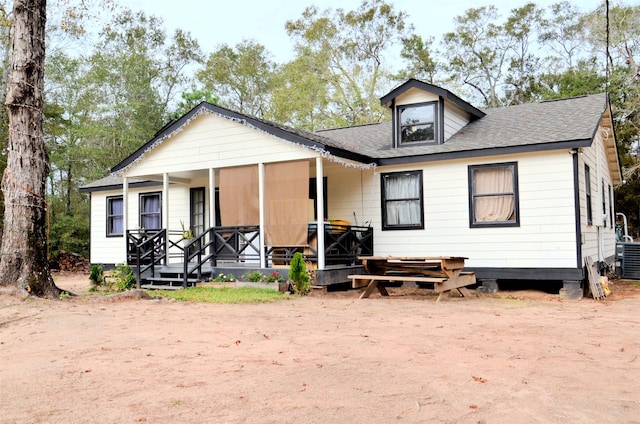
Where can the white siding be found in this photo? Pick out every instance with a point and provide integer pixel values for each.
(454, 119)
(544, 239)
(413, 95)
(210, 141)
(598, 238)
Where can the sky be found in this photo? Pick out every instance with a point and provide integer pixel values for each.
(216, 22)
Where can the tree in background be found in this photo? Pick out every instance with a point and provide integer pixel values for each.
(24, 262)
(241, 77)
(350, 49)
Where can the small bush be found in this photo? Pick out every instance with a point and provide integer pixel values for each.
(123, 277)
(96, 277)
(298, 274)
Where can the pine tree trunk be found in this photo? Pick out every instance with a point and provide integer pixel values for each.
(24, 261)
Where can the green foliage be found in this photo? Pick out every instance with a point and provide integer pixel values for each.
(241, 76)
(123, 278)
(259, 277)
(96, 276)
(224, 278)
(231, 295)
(298, 274)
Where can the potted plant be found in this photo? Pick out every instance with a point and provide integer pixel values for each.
(187, 234)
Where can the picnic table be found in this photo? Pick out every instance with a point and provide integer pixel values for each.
(444, 272)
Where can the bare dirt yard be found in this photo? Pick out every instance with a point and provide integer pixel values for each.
(514, 357)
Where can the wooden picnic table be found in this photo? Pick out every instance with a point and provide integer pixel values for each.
(444, 272)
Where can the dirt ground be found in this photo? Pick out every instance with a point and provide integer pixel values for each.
(515, 357)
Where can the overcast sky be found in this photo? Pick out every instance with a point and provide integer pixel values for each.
(214, 22)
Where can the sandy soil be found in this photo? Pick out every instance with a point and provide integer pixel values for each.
(517, 357)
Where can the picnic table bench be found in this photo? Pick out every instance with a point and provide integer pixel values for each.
(444, 272)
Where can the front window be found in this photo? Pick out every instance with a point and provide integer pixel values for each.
(493, 195)
(417, 123)
(150, 211)
(115, 216)
(402, 204)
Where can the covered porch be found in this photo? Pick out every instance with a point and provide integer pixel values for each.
(247, 217)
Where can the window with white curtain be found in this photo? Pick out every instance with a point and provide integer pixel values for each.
(402, 203)
(493, 195)
(151, 211)
(115, 217)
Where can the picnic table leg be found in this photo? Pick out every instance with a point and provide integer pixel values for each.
(370, 287)
(442, 294)
(464, 291)
(374, 284)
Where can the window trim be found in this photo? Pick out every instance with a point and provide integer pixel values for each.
(109, 223)
(436, 126)
(611, 206)
(516, 194)
(141, 196)
(387, 227)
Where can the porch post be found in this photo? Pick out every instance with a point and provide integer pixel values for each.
(212, 197)
(263, 258)
(125, 213)
(320, 210)
(165, 201)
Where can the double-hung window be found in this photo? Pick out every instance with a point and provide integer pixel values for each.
(587, 188)
(493, 195)
(151, 211)
(417, 123)
(115, 216)
(402, 203)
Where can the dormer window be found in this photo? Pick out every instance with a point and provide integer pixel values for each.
(417, 123)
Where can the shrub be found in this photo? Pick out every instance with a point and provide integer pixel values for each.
(298, 274)
(96, 277)
(123, 277)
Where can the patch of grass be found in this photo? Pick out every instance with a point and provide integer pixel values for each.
(222, 295)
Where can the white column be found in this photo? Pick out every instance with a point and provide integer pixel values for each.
(125, 213)
(320, 210)
(263, 258)
(165, 201)
(212, 197)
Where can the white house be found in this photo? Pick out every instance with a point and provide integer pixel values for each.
(524, 192)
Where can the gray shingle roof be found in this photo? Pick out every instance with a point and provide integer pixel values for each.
(542, 125)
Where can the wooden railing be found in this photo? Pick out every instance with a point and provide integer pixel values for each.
(147, 250)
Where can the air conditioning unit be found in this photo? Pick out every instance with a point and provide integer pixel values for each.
(628, 260)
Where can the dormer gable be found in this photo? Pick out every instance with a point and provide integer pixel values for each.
(424, 114)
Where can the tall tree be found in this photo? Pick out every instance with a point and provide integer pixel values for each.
(24, 261)
(351, 46)
(241, 77)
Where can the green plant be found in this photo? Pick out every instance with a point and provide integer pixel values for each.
(123, 277)
(96, 276)
(258, 277)
(274, 277)
(187, 234)
(252, 276)
(64, 295)
(298, 274)
(222, 278)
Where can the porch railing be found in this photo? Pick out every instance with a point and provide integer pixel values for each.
(147, 250)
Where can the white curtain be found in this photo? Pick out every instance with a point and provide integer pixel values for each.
(494, 198)
(151, 212)
(116, 215)
(402, 199)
